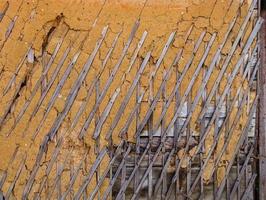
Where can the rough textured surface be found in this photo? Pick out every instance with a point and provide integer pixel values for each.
(42, 23)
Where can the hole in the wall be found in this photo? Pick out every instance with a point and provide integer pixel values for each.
(263, 4)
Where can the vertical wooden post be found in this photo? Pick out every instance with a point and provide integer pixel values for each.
(138, 121)
(164, 185)
(150, 133)
(97, 142)
(262, 109)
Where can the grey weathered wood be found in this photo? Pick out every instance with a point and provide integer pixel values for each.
(128, 96)
(188, 135)
(112, 181)
(164, 51)
(92, 86)
(228, 58)
(135, 113)
(123, 188)
(146, 173)
(150, 136)
(178, 83)
(109, 81)
(31, 179)
(57, 92)
(51, 81)
(163, 138)
(48, 137)
(105, 114)
(148, 149)
(49, 167)
(3, 12)
(241, 173)
(240, 141)
(183, 99)
(74, 90)
(235, 70)
(19, 66)
(37, 86)
(9, 30)
(123, 177)
(212, 148)
(139, 45)
(158, 184)
(97, 144)
(59, 174)
(105, 173)
(261, 119)
(230, 80)
(224, 124)
(209, 72)
(15, 97)
(13, 184)
(164, 161)
(132, 114)
(10, 27)
(89, 176)
(74, 176)
(250, 185)
(202, 125)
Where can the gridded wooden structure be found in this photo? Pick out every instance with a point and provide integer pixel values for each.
(201, 145)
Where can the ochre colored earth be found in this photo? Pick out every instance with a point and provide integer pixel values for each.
(35, 28)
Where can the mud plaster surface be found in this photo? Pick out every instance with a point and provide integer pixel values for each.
(42, 24)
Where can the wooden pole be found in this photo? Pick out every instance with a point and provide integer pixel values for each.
(262, 109)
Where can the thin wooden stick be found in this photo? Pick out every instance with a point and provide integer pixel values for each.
(109, 81)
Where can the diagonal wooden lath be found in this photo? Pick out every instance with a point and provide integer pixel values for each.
(119, 172)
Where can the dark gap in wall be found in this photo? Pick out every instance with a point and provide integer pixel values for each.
(263, 4)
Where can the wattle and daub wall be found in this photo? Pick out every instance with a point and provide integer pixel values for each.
(64, 64)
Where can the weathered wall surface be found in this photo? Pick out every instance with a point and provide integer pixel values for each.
(35, 27)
